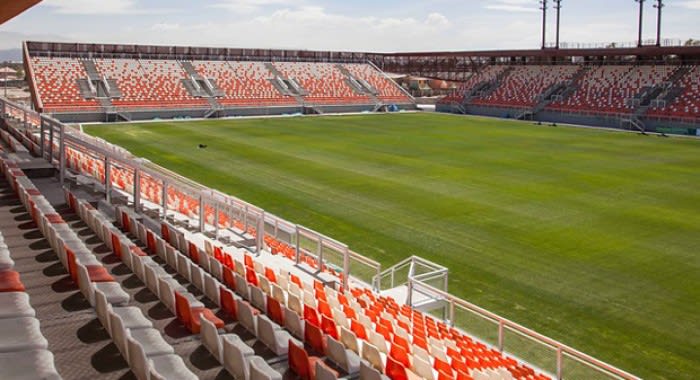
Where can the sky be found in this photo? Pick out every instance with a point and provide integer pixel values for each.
(347, 25)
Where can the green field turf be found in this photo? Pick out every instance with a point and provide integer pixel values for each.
(588, 236)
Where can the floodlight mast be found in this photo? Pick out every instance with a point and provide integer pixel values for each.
(543, 7)
(659, 5)
(558, 8)
(641, 21)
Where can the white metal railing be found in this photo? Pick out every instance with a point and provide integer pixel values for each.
(419, 271)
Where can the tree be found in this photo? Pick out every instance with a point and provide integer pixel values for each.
(692, 42)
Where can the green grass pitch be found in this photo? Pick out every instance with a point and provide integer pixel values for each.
(591, 237)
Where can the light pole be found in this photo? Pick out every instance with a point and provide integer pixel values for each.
(543, 7)
(558, 8)
(641, 15)
(659, 4)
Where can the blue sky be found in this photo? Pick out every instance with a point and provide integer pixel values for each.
(385, 26)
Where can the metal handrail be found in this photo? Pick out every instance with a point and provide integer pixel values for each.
(503, 323)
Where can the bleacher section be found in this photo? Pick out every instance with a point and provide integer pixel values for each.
(56, 80)
(607, 88)
(179, 304)
(244, 83)
(687, 103)
(387, 90)
(325, 83)
(523, 84)
(487, 75)
(147, 85)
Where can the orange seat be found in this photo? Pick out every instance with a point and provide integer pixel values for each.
(228, 303)
(193, 252)
(98, 273)
(270, 275)
(399, 354)
(395, 370)
(251, 276)
(311, 316)
(218, 254)
(314, 337)
(10, 282)
(325, 309)
(228, 262)
(384, 331)
(229, 279)
(442, 366)
(116, 246)
(274, 311)
(165, 232)
(300, 362)
(328, 326)
(358, 329)
(295, 279)
(151, 241)
(190, 316)
(248, 261)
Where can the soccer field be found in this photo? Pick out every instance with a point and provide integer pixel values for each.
(591, 237)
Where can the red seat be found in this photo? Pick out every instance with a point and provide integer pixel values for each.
(137, 251)
(399, 354)
(442, 366)
(395, 370)
(311, 316)
(300, 362)
(313, 336)
(402, 342)
(358, 329)
(248, 261)
(10, 282)
(325, 309)
(229, 279)
(190, 316)
(193, 252)
(274, 310)
(295, 279)
(228, 262)
(116, 246)
(270, 275)
(251, 276)
(98, 273)
(165, 232)
(228, 303)
(329, 327)
(151, 241)
(218, 254)
(384, 331)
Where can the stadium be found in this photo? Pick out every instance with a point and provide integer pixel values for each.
(201, 212)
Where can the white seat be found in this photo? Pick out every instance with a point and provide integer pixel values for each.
(28, 365)
(258, 298)
(241, 286)
(236, 356)
(211, 288)
(170, 367)
(260, 370)
(15, 305)
(293, 323)
(346, 359)
(422, 368)
(19, 334)
(246, 316)
(273, 336)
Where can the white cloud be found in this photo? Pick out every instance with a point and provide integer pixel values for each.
(251, 6)
(513, 5)
(101, 7)
(437, 20)
(690, 4)
(162, 27)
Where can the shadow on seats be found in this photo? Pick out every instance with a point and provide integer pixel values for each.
(55, 269)
(75, 302)
(93, 332)
(202, 359)
(108, 359)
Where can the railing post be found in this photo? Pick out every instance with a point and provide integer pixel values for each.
(409, 296)
(42, 139)
(61, 153)
(216, 221)
(137, 189)
(108, 180)
(260, 236)
(201, 213)
(277, 227)
(245, 219)
(346, 267)
(298, 251)
(452, 313)
(164, 200)
(51, 143)
(319, 252)
(560, 369)
(500, 335)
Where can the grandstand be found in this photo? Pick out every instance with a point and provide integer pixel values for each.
(187, 283)
(89, 84)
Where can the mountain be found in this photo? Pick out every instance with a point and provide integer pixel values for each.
(14, 55)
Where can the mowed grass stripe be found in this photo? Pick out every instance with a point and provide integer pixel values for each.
(585, 235)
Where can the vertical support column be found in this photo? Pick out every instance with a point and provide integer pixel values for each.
(346, 267)
(560, 369)
(298, 251)
(51, 127)
(500, 336)
(319, 253)
(4, 108)
(277, 227)
(108, 180)
(260, 236)
(137, 189)
(61, 154)
(201, 213)
(216, 221)
(452, 313)
(42, 139)
(164, 200)
(245, 219)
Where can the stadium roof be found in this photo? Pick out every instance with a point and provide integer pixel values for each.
(12, 8)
